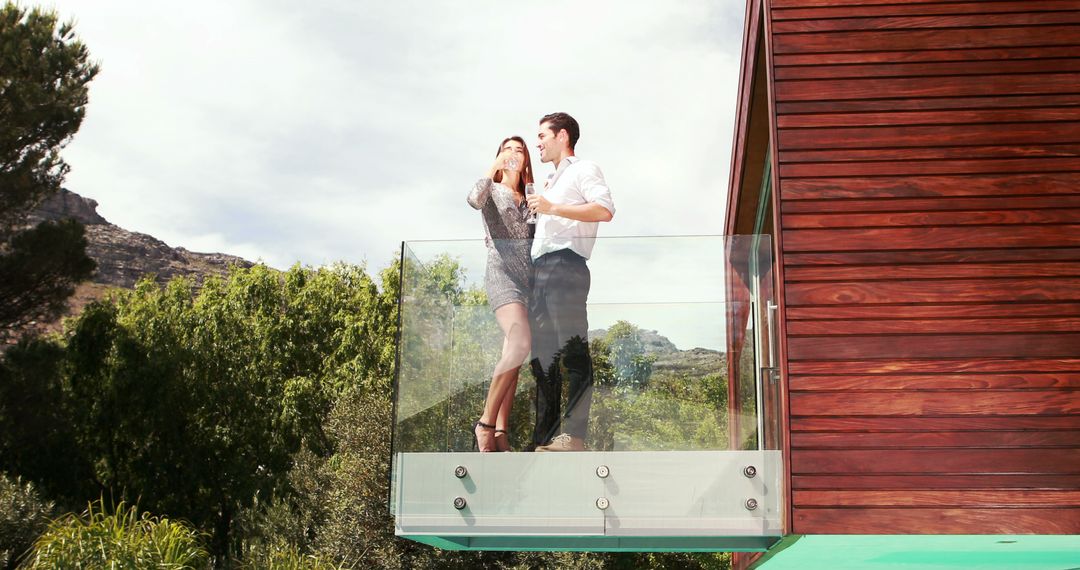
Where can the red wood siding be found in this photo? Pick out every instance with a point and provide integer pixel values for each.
(929, 207)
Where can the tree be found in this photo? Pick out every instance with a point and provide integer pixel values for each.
(44, 74)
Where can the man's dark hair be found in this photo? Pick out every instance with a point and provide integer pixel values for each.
(562, 121)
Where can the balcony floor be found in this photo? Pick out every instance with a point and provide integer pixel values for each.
(926, 552)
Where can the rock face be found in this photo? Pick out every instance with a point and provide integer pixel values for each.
(695, 362)
(123, 257)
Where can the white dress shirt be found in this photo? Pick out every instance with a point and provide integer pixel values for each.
(575, 182)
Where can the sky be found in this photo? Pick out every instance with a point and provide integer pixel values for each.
(333, 130)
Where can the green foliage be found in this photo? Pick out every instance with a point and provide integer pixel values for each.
(40, 270)
(44, 73)
(198, 405)
(630, 366)
(38, 439)
(121, 539)
(259, 408)
(284, 558)
(23, 516)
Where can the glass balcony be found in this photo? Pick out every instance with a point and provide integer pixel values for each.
(682, 451)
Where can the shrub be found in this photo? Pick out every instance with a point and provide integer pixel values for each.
(23, 516)
(284, 558)
(123, 539)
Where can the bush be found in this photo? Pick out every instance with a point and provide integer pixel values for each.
(23, 516)
(284, 558)
(123, 539)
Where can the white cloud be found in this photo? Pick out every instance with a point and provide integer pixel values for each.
(335, 129)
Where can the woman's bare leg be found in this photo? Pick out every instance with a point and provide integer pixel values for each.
(513, 319)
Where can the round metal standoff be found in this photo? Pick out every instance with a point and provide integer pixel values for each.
(459, 503)
(751, 504)
(460, 472)
(602, 503)
(603, 471)
(750, 471)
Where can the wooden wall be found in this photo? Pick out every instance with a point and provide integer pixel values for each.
(929, 210)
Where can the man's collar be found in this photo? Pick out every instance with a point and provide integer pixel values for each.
(563, 164)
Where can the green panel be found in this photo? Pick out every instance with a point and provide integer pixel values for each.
(920, 552)
(601, 543)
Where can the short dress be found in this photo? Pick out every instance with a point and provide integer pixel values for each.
(509, 243)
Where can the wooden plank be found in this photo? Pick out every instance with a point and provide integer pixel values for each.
(1031, 380)
(933, 326)
(958, 403)
(949, 439)
(941, 86)
(940, 291)
(930, 153)
(925, 70)
(929, 167)
(848, 4)
(1050, 345)
(901, 482)
(927, 461)
(936, 521)
(948, 117)
(955, 237)
(930, 186)
(947, 218)
(906, 205)
(862, 11)
(928, 271)
(939, 498)
(962, 311)
(871, 56)
(903, 87)
(899, 40)
(925, 22)
(930, 256)
(931, 366)
(926, 104)
(924, 136)
(911, 424)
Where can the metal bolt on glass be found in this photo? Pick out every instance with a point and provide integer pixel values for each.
(603, 471)
(751, 504)
(459, 503)
(750, 471)
(460, 472)
(602, 503)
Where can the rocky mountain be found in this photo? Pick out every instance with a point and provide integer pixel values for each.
(123, 257)
(695, 361)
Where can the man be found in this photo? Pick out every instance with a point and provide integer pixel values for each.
(570, 207)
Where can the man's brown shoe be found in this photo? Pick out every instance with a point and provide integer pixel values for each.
(564, 442)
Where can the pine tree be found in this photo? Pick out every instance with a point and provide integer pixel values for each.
(44, 74)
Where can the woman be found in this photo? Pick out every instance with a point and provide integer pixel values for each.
(500, 197)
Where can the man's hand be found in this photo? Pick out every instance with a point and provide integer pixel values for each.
(581, 212)
(540, 204)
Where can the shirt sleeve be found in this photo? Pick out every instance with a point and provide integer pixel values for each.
(480, 193)
(594, 188)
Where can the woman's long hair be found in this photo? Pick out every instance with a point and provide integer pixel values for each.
(526, 173)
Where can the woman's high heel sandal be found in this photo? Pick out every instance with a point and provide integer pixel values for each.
(485, 436)
(502, 440)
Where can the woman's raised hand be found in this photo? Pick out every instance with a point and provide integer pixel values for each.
(500, 162)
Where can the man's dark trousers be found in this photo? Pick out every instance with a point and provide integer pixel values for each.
(560, 344)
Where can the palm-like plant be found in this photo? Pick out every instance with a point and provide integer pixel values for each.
(121, 539)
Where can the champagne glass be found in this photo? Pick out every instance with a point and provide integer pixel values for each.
(530, 218)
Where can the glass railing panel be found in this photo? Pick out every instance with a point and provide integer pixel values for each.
(675, 330)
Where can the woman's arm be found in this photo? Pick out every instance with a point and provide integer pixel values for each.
(480, 193)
